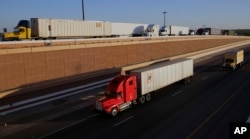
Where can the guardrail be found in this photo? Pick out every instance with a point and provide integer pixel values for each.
(10, 108)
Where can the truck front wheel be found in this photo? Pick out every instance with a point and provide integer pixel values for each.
(114, 111)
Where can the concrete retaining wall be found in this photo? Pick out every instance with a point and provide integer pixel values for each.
(26, 66)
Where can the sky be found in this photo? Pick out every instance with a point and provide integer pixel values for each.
(224, 14)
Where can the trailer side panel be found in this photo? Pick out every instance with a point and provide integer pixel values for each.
(163, 74)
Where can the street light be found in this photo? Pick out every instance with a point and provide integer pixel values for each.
(82, 10)
(164, 17)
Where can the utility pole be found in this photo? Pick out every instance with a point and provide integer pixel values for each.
(164, 17)
(83, 10)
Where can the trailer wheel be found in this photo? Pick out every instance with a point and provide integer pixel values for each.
(187, 80)
(142, 99)
(148, 97)
(114, 111)
(234, 68)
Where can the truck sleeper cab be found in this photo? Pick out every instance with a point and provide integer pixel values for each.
(119, 95)
(21, 31)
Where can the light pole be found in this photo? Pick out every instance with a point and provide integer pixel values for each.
(164, 17)
(83, 10)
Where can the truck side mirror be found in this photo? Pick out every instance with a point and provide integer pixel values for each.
(4, 29)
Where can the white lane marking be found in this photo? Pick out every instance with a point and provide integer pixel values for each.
(87, 97)
(178, 92)
(42, 99)
(75, 123)
(123, 121)
(248, 120)
(204, 78)
(101, 93)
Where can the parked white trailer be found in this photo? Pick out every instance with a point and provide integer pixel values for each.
(128, 29)
(212, 31)
(160, 75)
(65, 28)
(174, 31)
(44, 28)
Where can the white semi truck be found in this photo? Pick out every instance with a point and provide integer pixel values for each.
(233, 59)
(152, 30)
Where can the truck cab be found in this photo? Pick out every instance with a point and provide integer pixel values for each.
(152, 30)
(233, 59)
(119, 95)
(164, 31)
(21, 31)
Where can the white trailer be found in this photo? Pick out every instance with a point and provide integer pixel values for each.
(233, 59)
(160, 75)
(65, 28)
(128, 29)
(174, 31)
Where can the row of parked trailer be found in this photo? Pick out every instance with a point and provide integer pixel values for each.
(42, 28)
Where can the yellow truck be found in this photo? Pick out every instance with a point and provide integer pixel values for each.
(233, 59)
(21, 31)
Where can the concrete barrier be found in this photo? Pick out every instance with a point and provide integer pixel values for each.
(21, 68)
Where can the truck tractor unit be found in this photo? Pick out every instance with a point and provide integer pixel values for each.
(233, 59)
(125, 90)
(21, 31)
(152, 30)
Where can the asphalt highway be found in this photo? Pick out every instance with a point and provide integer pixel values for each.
(202, 109)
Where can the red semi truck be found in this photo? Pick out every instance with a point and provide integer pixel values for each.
(125, 90)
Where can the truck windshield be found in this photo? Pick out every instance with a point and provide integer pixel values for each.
(110, 94)
(16, 29)
(229, 60)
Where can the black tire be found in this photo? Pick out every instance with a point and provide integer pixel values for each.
(142, 99)
(234, 68)
(134, 102)
(187, 80)
(240, 65)
(114, 111)
(148, 97)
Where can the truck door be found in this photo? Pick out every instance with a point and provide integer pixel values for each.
(22, 33)
(24, 29)
(130, 89)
